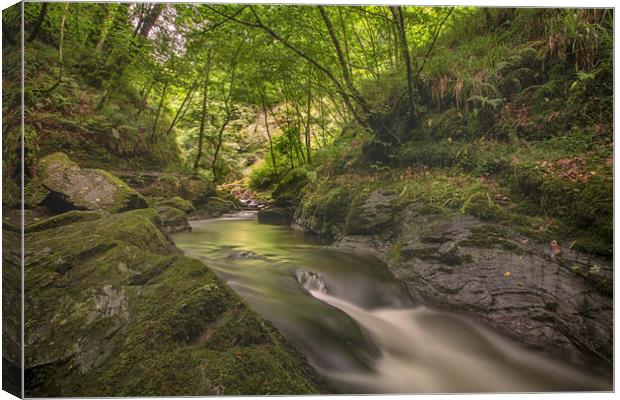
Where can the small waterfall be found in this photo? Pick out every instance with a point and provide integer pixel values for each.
(357, 325)
(311, 281)
(427, 351)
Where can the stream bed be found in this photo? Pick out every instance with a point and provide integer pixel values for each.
(358, 326)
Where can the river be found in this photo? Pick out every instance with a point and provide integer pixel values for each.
(358, 325)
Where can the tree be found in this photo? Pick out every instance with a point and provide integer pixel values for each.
(273, 157)
(205, 91)
(397, 14)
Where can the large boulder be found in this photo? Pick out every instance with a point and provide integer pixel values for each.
(276, 215)
(61, 185)
(561, 303)
(173, 220)
(114, 309)
(194, 188)
(176, 202)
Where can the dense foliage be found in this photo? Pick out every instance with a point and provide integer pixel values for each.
(517, 100)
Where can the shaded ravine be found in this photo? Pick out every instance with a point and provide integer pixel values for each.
(358, 325)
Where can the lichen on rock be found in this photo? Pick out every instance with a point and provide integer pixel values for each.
(61, 185)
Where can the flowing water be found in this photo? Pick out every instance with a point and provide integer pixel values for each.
(358, 325)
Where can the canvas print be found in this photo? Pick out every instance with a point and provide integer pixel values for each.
(251, 199)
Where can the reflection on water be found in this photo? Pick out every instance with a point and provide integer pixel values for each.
(358, 326)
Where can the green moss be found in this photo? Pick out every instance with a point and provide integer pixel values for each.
(175, 201)
(216, 206)
(585, 206)
(150, 322)
(34, 193)
(289, 189)
(63, 219)
(490, 236)
(125, 198)
(194, 188)
(394, 253)
(325, 211)
(53, 163)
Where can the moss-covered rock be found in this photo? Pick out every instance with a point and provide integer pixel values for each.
(276, 215)
(173, 219)
(216, 206)
(119, 312)
(324, 212)
(11, 311)
(64, 219)
(175, 201)
(70, 187)
(194, 188)
(370, 214)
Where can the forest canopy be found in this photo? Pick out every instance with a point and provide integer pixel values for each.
(282, 93)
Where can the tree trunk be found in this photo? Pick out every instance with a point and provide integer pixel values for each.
(201, 135)
(229, 110)
(161, 103)
(219, 143)
(146, 91)
(273, 157)
(106, 26)
(308, 144)
(187, 106)
(148, 21)
(178, 113)
(38, 23)
(397, 14)
(60, 50)
(343, 63)
(346, 40)
(290, 145)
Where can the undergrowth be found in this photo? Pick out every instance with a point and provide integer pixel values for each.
(515, 126)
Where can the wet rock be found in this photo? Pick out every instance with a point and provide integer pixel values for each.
(175, 201)
(245, 255)
(196, 189)
(69, 217)
(68, 187)
(487, 270)
(215, 207)
(114, 309)
(370, 215)
(173, 220)
(276, 215)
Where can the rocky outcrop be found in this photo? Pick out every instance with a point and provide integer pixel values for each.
(173, 213)
(484, 269)
(276, 215)
(194, 188)
(113, 309)
(173, 220)
(61, 185)
(175, 201)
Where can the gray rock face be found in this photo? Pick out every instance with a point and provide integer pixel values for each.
(70, 187)
(486, 270)
(371, 216)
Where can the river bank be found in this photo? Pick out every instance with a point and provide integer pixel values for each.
(114, 308)
(486, 269)
(360, 327)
